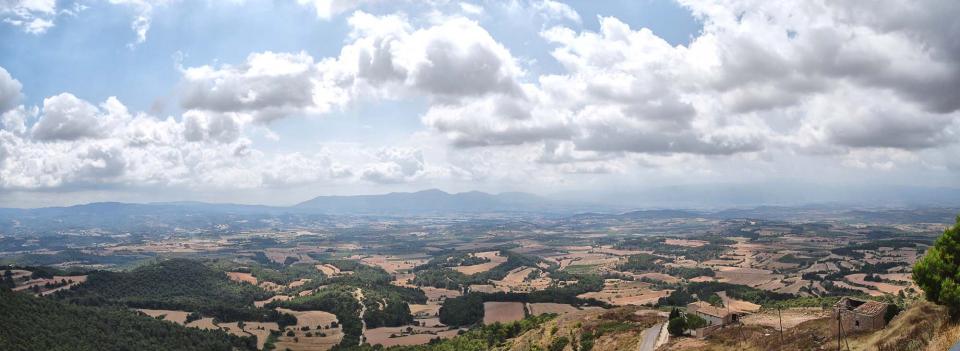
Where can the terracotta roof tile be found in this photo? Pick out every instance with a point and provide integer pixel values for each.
(870, 307)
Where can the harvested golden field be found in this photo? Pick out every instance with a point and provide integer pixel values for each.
(486, 288)
(791, 317)
(883, 287)
(495, 260)
(392, 264)
(738, 305)
(702, 278)
(301, 342)
(331, 270)
(312, 319)
(666, 278)
(550, 307)
(242, 277)
(502, 312)
(318, 322)
(620, 292)
(517, 280)
(753, 277)
(272, 299)
(437, 295)
(72, 280)
(403, 279)
(179, 317)
(584, 258)
(424, 311)
(260, 330)
(298, 283)
(685, 242)
(203, 323)
(870, 292)
(406, 335)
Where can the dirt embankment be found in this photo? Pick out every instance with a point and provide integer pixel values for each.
(619, 328)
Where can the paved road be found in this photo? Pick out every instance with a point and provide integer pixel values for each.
(649, 341)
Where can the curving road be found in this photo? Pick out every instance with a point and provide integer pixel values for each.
(648, 341)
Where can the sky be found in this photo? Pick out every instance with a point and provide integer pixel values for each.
(275, 101)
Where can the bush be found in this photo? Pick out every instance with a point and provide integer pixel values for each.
(677, 326)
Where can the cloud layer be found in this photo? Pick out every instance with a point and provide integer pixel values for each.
(851, 84)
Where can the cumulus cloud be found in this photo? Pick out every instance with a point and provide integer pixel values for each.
(386, 57)
(556, 10)
(9, 91)
(395, 165)
(447, 61)
(874, 87)
(206, 126)
(73, 144)
(822, 76)
(268, 85)
(65, 117)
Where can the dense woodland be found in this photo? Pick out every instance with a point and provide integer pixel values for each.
(32, 323)
(176, 284)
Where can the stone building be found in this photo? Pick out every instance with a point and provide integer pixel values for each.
(857, 315)
(714, 315)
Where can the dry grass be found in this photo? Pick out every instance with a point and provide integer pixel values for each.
(619, 292)
(946, 338)
(882, 287)
(424, 311)
(242, 277)
(550, 307)
(416, 336)
(272, 299)
(658, 276)
(312, 343)
(437, 295)
(495, 260)
(911, 329)
(203, 323)
(328, 269)
(738, 305)
(790, 317)
(179, 317)
(753, 277)
(312, 319)
(392, 264)
(502, 312)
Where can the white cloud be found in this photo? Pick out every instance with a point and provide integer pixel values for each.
(65, 117)
(34, 16)
(556, 10)
(268, 86)
(9, 91)
(395, 165)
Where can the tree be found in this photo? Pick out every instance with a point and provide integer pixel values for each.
(674, 313)
(677, 326)
(938, 272)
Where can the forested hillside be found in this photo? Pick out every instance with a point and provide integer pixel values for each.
(32, 323)
(176, 284)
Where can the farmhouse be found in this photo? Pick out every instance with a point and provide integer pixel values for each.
(857, 315)
(714, 315)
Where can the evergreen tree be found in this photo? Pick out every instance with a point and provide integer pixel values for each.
(938, 272)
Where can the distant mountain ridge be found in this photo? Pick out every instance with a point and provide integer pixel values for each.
(429, 201)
